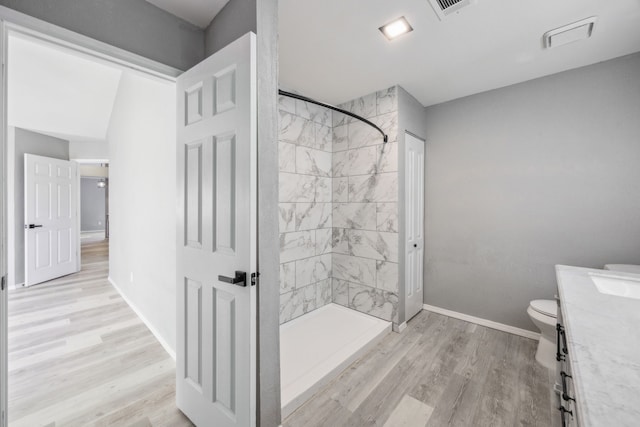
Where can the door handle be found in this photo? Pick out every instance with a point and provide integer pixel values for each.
(240, 279)
(415, 245)
(33, 226)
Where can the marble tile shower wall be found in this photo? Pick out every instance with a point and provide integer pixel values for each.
(305, 141)
(339, 207)
(365, 207)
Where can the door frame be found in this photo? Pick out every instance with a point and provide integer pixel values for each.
(80, 163)
(403, 214)
(31, 178)
(402, 235)
(12, 21)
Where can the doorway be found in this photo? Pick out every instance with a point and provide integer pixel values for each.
(143, 244)
(94, 202)
(73, 340)
(414, 220)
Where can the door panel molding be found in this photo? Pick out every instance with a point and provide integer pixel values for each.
(414, 224)
(50, 218)
(217, 236)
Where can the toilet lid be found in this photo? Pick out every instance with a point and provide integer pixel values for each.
(545, 306)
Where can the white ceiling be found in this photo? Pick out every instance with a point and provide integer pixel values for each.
(197, 12)
(332, 50)
(59, 93)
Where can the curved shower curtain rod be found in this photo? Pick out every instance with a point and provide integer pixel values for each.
(385, 138)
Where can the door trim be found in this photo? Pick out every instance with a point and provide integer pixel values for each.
(33, 275)
(415, 136)
(28, 25)
(4, 369)
(402, 232)
(402, 214)
(12, 21)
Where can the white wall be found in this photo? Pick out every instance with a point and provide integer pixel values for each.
(82, 150)
(22, 141)
(142, 200)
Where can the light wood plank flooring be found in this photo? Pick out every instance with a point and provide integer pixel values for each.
(78, 355)
(439, 372)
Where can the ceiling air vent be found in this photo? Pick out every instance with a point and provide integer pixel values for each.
(444, 8)
(569, 33)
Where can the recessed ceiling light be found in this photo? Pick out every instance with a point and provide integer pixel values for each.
(396, 28)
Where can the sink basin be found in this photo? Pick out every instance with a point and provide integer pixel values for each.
(615, 285)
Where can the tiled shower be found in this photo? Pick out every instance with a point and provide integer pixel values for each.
(339, 207)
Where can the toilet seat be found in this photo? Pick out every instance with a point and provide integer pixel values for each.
(545, 306)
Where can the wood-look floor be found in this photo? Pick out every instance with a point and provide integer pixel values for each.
(78, 355)
(439, 372)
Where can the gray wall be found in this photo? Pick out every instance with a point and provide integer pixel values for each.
(32, 143)
(92, 205)
(236, 18)
(522, 178)
(133, 25)
(84, 150)
(268, 255)
(410, 119)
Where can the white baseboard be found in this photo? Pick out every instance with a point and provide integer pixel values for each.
(399, 328)
(484, 322)
(153, 330)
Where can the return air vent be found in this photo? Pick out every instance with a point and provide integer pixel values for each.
(444, 8)
(569, 33)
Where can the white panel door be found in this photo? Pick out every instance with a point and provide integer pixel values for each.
(50, 218)
(414, 197)
(217, 172)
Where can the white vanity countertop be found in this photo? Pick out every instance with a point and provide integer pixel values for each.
(603, 338)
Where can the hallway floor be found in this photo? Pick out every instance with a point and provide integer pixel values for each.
(78, 355)
(439, 372)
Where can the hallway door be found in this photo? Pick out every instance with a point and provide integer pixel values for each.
(216, 248)
(50, 218)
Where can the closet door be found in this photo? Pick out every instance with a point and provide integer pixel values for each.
(414, 197)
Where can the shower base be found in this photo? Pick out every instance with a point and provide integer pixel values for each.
(316, 347)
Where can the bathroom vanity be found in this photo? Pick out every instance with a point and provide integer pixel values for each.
(598, 340)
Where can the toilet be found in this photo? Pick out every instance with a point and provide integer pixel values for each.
(543, 313)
